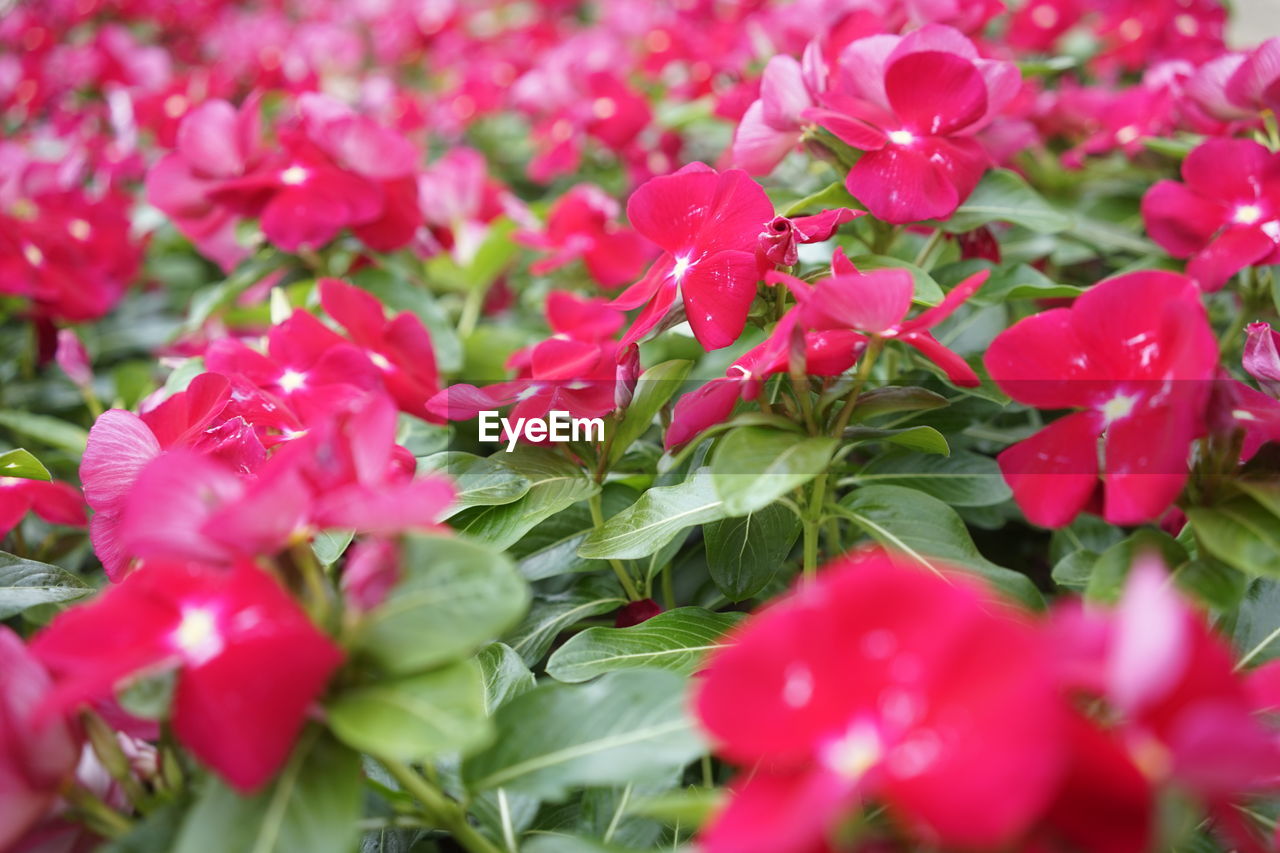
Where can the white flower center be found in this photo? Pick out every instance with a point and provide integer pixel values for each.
(1119, 406)
(682, 266)
(294, 175)
(292, 380)
(901, 137)
(197, 635)
(855, 753)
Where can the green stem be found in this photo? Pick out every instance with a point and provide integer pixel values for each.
(864, 373)
(96, 814)
(438, 808)
(471, 311)
(668, 589)
(929, 245)
(812, 525)
(624, 577)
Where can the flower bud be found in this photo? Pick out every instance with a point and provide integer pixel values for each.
(72, 357)
(1262, 357)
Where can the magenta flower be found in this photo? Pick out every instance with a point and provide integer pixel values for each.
(36, 757)
(1136, 356)
(708, 225)
(55, 502)
(913, 104)
(771, 127)
(582, 224)
(1225, 216)
(249, 661)
(953, 720)
(1262, 357)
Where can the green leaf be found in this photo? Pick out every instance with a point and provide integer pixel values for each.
(416, 718)
(551, 614)
(48, 431)
(745, 553)
(678, 640)
(1074, 570)
(554, 484)
(1003, 196)
(656, 518)
(26, 583)
(1022, 282)
(1241, 533)
(896, 398)
(480, 480)
(551, 548)
(931, 533)
(754, 466)
(688, 808)
(831, 196)
(1111, 236)
(313, 805)
(505, 675)
(455, 596)
(925, 439)
(21, 464)
(1111, 569)
(330, 545)
(962, 479)
(623, 727)
(653, 389)
(927, 291)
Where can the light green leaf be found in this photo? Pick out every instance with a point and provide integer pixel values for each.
(554, 484)
(624, 727)
(677, 640)
(925, 439)
(48, 431)
(1003, 196)
(21, 464)
(479, 480)
(416, 718)
(1240, 532)
(505, 675)
(313, 805)
(656, 518)
(454, 597)
(26, 583)
(754, 466)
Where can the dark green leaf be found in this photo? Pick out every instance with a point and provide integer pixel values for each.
(928, 531)
(896, 398)
(26, 583)
(744, 554)
(962, 479)
(925, 439)
(1241, 533)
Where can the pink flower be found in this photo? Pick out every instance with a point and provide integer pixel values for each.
(913, 104)
(1262, 357)
(781, 238)
(1254, 84)
(580, 369)
(400, 347)
(1136, 355)
(582, 224)
(1180, 708)
(56, 503)
(876, 303)
(952, 717)
(73, 358)
(1225, 217)
(249, 662)
(121, 444)
(773, 124)
(708, 225)
(36, 757)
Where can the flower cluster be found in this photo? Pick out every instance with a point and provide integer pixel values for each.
(930, 498)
